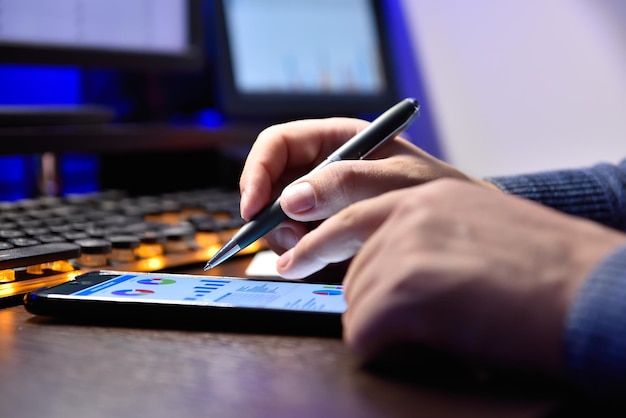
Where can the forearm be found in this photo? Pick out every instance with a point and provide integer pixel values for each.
(597, 193)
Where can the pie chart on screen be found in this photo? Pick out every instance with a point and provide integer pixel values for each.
(327, 292)
(132, 292)
(156, 280)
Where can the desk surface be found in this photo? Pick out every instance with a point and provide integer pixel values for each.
(63, 370)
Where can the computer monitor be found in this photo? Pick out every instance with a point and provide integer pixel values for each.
(154, 34)
(300, 58)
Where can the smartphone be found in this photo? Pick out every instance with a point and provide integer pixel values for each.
(196, 301)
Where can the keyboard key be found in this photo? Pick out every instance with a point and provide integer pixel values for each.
(94, 252)
(23, 241)
(159, 232)
(11, 233)
(36, 254)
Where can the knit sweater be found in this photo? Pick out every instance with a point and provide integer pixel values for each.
(594, 337)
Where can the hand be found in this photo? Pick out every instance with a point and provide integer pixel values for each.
(459, 268)
(284, 153)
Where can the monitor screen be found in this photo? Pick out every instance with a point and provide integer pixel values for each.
(110, 33)
(303, 58)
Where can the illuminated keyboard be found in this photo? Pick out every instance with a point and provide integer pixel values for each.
(47, 241)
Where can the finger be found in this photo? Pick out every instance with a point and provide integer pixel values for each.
(285, 236)
(372, 326)
(336, 239)
(369, 324)
(289, 149)
(340, 184)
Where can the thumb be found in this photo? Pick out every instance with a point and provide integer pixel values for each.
(325, 192)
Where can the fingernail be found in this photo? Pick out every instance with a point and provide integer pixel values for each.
(285, 237)
(298, 198)
(242, 203)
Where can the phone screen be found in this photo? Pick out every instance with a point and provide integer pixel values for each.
(212, 291)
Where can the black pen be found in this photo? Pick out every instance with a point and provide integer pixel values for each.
(391, 123)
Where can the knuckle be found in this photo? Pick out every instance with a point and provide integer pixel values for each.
(344, 180)
(347, 219)
(270, 132)
(420, 212)
(340, 173)
(335, 185)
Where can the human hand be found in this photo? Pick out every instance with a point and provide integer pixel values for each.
(285, 152)
(459, 268)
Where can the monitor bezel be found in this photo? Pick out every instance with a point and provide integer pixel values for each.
(191, 59)
(236, 103)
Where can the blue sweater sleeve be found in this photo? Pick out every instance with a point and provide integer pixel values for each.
(595, 331)
(595, 328)
(597, 193)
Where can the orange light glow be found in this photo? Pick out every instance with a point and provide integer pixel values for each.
(61, 266)
(35, 269)
(7, 276)
(149, 250)
(151, 264)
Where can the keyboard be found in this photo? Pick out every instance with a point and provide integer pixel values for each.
(49, 240)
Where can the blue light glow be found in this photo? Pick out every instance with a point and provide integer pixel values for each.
(22, 85)
(29, 85)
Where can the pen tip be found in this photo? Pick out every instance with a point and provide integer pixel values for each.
(207, 266)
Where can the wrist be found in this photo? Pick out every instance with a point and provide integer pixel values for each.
(487, 184)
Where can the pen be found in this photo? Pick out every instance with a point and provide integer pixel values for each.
(389, 124)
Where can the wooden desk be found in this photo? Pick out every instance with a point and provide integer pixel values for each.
(50, 369)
